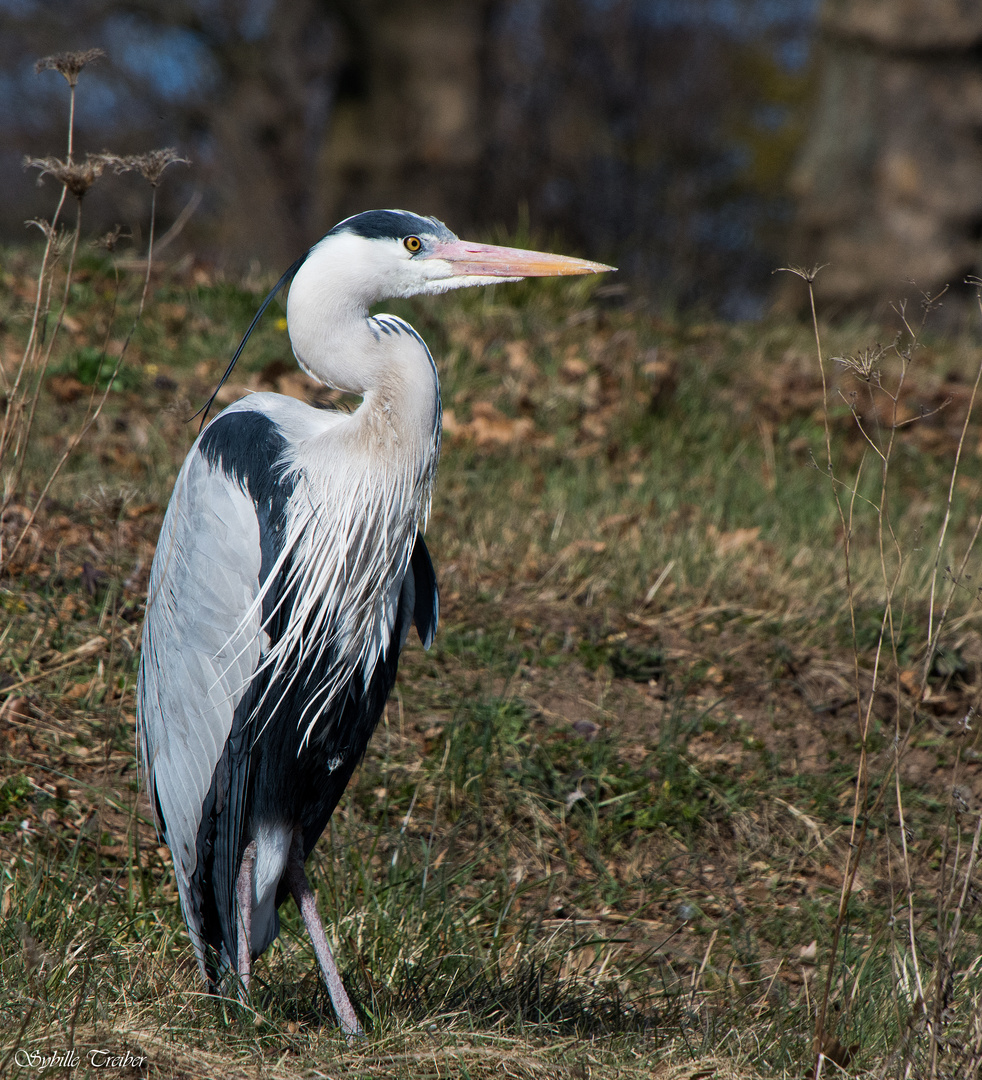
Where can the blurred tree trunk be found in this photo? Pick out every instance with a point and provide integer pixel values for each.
(408, 111)
(265, 131)
(889, 183)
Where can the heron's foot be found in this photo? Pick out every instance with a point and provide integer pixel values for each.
(307, 903)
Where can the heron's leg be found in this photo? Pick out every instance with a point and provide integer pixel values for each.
(307, 903)
(243, 896)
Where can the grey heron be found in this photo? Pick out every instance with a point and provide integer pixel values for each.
(288, 571)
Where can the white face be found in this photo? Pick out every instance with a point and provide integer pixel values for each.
(382, 268)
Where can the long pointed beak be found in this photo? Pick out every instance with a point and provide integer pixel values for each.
(486, 260)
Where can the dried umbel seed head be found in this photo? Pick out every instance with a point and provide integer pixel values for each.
(59, 239)
(110, 241)
(77, 176)
(69, 64)
(150, 165)
(806, 273)
(865, 364)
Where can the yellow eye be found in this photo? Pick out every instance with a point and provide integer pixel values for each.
(413, 243)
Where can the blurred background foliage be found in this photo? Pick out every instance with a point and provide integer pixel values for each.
(697, 143)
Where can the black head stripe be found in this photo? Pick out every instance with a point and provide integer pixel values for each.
(392, 225)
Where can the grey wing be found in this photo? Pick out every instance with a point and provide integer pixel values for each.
(201, 646)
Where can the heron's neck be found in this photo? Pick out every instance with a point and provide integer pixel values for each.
(341, 346)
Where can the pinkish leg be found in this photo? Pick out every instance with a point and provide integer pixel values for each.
(306, 902)
(243, 896)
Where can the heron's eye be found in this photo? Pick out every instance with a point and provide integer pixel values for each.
(413, 244)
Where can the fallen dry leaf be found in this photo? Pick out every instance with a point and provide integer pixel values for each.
(735, 540)
(66, 388)
(489, 426)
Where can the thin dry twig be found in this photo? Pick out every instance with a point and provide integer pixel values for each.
(934, 633)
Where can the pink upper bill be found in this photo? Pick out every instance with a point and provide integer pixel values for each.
(487, 260)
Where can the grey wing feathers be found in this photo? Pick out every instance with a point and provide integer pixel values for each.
(226, 531)
(198, 655)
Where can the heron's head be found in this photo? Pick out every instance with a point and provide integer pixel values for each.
(388, 253)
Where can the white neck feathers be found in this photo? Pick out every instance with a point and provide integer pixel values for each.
(336, 341)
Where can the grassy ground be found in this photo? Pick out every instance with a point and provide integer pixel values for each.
(690, 780)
